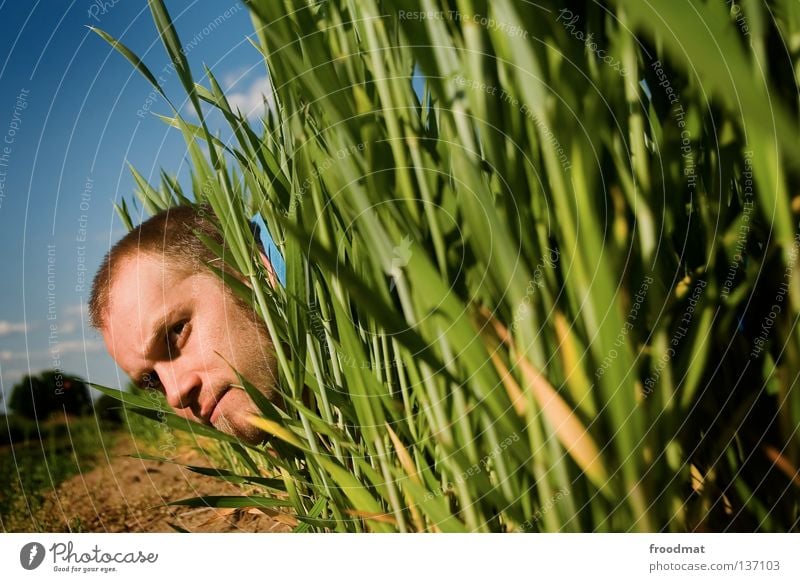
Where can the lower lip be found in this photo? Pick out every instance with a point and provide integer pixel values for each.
(213, 415)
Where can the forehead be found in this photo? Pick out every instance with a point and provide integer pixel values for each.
(145, 292)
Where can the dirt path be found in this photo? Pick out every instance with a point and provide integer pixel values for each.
(130, 495)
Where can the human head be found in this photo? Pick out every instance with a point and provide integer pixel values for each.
(172, 324)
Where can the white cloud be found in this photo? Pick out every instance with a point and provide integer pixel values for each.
(77, 309)
(56, 350)
(235, 76)
(7, 327)
(80, 346)
(8, 380)
(67, 327)
(74, 316)
(251, 101)
(191, 109)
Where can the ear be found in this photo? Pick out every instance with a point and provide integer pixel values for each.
(273, 278)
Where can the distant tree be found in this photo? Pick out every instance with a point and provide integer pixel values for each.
(50, 391)
(108, 408)
(14, 428)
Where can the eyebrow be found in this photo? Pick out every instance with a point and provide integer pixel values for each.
(138, 377)
(157, 335)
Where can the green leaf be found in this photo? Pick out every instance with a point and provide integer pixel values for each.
(132, 58)
(231, 501)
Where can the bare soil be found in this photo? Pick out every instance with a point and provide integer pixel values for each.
(124, 494)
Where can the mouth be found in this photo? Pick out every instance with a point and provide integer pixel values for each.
(211, 417)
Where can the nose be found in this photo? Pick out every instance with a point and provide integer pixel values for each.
(181, 388)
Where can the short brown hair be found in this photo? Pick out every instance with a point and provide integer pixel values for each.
(170, 234)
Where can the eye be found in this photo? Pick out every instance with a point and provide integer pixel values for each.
(178, 328)
(176, 333)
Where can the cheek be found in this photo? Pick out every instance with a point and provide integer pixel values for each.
(209, 338)
(237, 404)
(255, 353)
(227, 333)
(236, 408)
(237, 333)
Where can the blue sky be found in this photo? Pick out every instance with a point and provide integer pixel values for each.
(73, 114)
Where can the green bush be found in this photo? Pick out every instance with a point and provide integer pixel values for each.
(15, 428)
(108, 409)
(555, 291)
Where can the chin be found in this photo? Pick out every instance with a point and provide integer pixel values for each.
(232, 419)
(241, 429)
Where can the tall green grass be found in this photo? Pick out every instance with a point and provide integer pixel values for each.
(533, 296)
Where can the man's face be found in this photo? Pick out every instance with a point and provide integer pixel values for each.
(177, 331)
